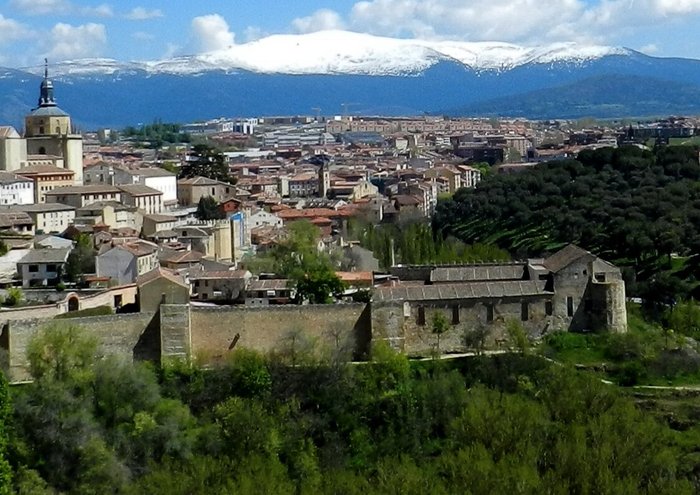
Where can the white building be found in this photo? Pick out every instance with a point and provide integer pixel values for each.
(262, 218)
(154, 177)
(15, 190)
(48, 217)
(143, 197)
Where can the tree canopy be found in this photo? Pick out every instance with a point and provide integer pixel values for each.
(205, 161)
(634, 207)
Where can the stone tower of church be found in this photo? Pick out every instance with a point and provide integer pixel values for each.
(48, 132)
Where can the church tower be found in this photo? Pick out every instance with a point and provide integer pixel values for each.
(324, 180)
(49, 133)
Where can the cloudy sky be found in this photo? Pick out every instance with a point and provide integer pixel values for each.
(155, 29)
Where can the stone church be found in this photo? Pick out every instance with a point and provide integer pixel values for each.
(49, 139)
(572, 290)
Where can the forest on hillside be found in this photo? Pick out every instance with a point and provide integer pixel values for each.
(295, 423)
(637, 208)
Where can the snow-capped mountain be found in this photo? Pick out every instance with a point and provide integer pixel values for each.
(339, 71)
(343, 52)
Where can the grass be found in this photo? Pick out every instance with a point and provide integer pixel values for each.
(645, 355)
(98, 311)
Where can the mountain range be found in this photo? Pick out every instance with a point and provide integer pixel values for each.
(361, 74)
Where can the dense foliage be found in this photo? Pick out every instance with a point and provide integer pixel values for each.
(157, 134)
(297, 257)
(296, 424)
(208, 209)
(205, 161)
(413, 243)
(637, 208)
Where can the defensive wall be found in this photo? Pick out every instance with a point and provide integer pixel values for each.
(207, 334)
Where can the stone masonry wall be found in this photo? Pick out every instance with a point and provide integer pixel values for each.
(216, 331)
(399, 323)
(116, 334)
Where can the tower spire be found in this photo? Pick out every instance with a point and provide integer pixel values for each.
(46, 90)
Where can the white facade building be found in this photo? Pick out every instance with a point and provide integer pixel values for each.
(15, 190)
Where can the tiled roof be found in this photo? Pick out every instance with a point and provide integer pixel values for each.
(140, 190)
(473, 290)
(45, 256)
(157, 273)
(89, 189)
(472, 273)
(11, 178)
(40, 207)
(44, 169)
(564, 257)
(272, 284)
(139, 248)
(173, 256)
(218, 275)
(151, 172)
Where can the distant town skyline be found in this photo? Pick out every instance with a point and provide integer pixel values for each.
(135, 30)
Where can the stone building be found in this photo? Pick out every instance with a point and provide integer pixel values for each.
(572, 290)
(49, 137)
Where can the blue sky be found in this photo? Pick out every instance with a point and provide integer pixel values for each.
(150, 30)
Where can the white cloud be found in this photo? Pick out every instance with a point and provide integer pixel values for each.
(68, 42)
(60, 7)
(142, 14)
(524, 21)
(12, 30)
(103, 10)
(253, 33)
(142, 36)
(41, 7)
(670, 7)
(471, 20)
(210, 33)
(650, 49)
(320, 20)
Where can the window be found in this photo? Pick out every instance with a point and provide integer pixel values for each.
(33, 268)
(489, 313)
(524, 311)
(600, 277)
(455, 315)
(50, 268)
(421, 316)
(569, 306)
(548, 309)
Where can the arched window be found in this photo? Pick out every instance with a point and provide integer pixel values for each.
(42, 151)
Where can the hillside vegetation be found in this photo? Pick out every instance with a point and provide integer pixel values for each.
(292, 424)
(640, 209)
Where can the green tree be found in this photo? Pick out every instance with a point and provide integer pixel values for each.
(5, 415)
(311, 271)
(62, 352)
(439, 325)
(208, 209)
(517, 336)
(81, 259)
(685, 318)
(205, 161)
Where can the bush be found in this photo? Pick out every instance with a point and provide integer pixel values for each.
(14, 296)
(566, 341)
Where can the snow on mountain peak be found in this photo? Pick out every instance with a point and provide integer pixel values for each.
(345, 52)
